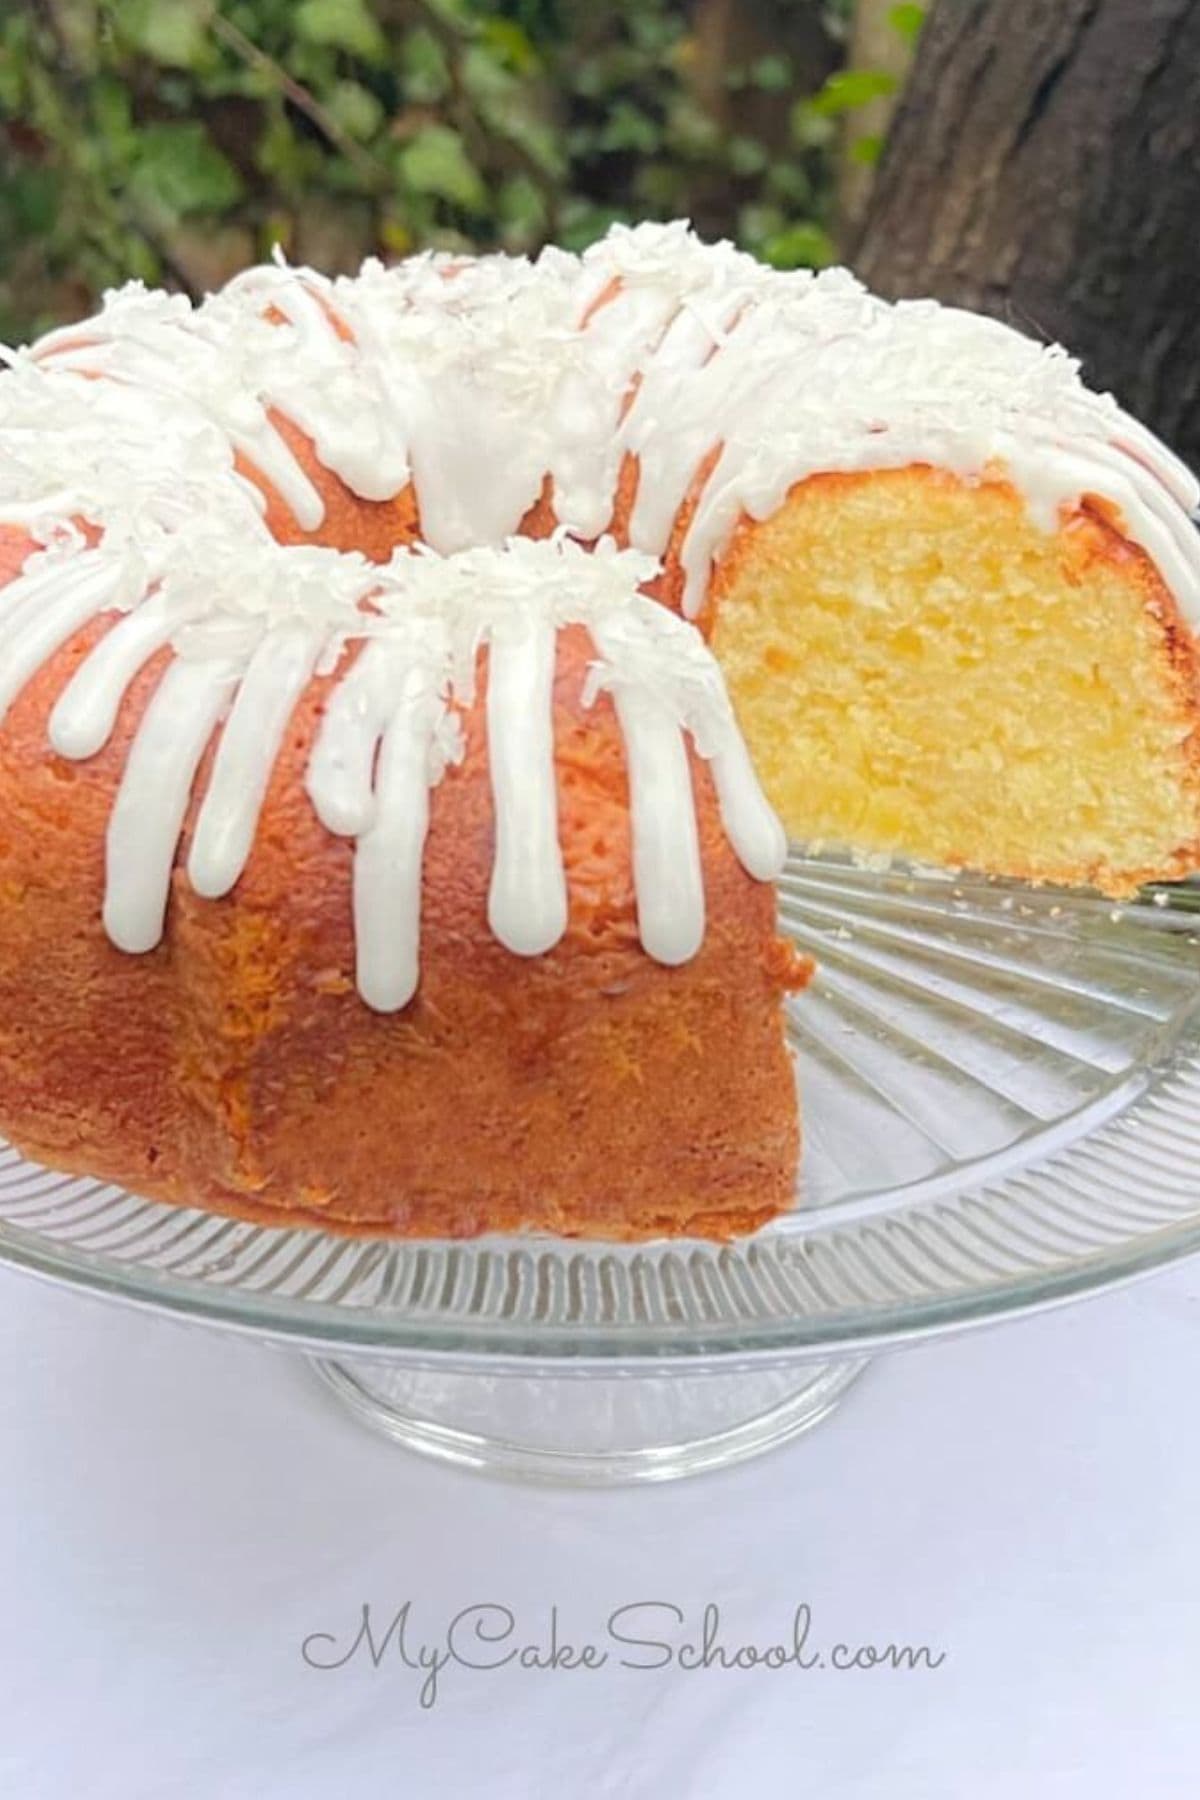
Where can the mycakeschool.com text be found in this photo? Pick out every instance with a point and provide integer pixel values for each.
(648, 1636)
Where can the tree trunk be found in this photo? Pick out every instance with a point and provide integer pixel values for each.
(1044, 166)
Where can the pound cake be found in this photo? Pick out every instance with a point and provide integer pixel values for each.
(384, 667)
(448, 931)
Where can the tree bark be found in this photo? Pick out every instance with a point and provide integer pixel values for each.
(1044, 166)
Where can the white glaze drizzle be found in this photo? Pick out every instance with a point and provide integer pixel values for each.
(392, 717)
(85, 713)
(666, 847)
(479, 381)
(659, 676)
(40, 617)
(341, 768)
(388, 855)
(527, 898)
(276, 676)
(148, 813)
(391, 726)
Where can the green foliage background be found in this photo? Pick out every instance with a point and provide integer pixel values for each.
(177, 140)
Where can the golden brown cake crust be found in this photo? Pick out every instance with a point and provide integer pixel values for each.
(588, 1091)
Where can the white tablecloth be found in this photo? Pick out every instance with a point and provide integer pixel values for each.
(180, 1512)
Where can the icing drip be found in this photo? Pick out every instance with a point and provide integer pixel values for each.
(754, 830)
(340, 772)
(148, 813)
(650, 654)
(191, 387)
(86, 711)
(278, 673)
(389, 732)
(666, 848)
(388, 855)
(479, 382)
(527, 900)
(404, 641)
(44, 609)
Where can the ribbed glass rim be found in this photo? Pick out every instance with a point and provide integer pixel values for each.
(1147, 1159)
(319, 1327)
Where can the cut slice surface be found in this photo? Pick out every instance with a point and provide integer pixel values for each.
(921, 671)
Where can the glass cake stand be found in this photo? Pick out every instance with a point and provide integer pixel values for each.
(1001, 1091)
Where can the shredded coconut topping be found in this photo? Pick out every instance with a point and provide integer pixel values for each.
(485, 384)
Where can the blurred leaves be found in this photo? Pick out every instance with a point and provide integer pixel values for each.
(174, 140)
(849, 88)
(178, 170)
(436, 162)
(172, 32)
(907, 19)
(344, 24)
(802, 246)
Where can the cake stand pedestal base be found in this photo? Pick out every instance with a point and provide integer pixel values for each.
(593, 1430)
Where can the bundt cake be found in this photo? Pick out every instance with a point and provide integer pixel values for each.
(378, 660)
